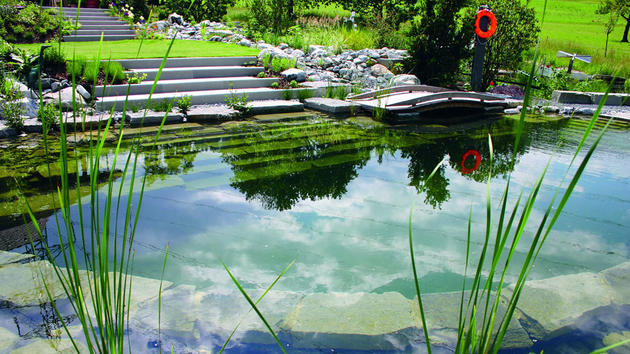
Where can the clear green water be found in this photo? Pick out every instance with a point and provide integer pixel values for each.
(335, 196)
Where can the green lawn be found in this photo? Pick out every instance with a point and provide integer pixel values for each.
(573, 26)
(154, 48)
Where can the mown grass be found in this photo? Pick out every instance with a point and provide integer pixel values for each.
(573, 26)
(151, 48)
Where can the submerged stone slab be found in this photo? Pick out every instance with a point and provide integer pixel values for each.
(442, 314)
(63, 345)
(275, 106)
(614, 99)
(618, 278)
(7, 340)
(11, 257)
(22, 284)
(153, 118)
(571, 97)
(615, 338)
(359, 321)
(548, 307)
(329, 105)
(219, 113)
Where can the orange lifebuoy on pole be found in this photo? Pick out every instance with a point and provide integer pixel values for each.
(492, 26)
(477, 155)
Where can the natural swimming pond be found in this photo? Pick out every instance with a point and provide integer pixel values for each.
(335, 196)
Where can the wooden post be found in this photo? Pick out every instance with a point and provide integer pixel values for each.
(477, 68)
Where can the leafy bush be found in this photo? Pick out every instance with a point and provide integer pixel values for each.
(261, 74)
(12, 113)
(113, 72)
(30, 24)
(279, 65)
(304, 94)
(48, 115)
(271, 15)
(275, 85)
(238, 103)
(136, 78)
(293, 84)
(183, 104)
(9, 90)
(91, 71)
(439, 42)
(162, 106)
(54, 61)
(517, 31)
(200, 10)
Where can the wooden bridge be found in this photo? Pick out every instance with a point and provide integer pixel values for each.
(420, 102)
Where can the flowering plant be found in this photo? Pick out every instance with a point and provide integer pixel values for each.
(124, 11)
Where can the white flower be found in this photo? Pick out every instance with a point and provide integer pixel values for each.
(131, 8)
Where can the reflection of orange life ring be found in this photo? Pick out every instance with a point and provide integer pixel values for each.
(493, 24)
(477, 156)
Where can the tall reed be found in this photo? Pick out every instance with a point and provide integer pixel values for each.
(481, 329)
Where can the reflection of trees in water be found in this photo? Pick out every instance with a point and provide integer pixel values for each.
(168, 160)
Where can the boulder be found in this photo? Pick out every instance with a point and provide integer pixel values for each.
(245, 42)
(67, 104)
(380, 70)
(293, 74)
(83, 92)
(404, 79)
(175, 19)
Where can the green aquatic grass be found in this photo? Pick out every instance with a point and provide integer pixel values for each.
(151, 48)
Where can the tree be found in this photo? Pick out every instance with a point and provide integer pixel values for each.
(439, 42)
(620, 8)
(517, 31)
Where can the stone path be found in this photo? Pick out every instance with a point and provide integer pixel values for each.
(93, 23)
(200, 319)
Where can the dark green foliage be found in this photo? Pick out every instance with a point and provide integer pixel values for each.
(113, 72)
(184, 104)
(238, 103)
(28, 25)
(90, 71)
(12, 113)
(304, 94)
(273, 16)
(75, 68)
(48, 115)
(53, 61)
(617, 8)
(162, 106)
(199, 10)
(517, 31)
(439, 42)
(287, 95)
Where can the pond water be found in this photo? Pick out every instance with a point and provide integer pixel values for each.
(335, 197)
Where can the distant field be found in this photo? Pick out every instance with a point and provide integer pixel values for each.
(573, 25)
(154, 48)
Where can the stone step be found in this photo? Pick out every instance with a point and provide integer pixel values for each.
(73, 10)
(112, 21)
(204, 84)
(199, 72)
(185, 62)
(96, 38)
(89, 17)
(97, 32)
(198, 97)
(113, 27)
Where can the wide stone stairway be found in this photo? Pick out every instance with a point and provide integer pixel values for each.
(206, 80)
(93, 23)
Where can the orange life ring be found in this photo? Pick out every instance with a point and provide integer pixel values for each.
(493, 24)
(477, 156)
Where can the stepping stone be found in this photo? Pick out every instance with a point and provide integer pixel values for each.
(11, 257)
(275, 106)
(618, 278)
(329, 105)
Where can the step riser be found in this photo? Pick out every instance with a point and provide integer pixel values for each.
(84, 17)
(164, 87)
(199, 99)
(103, 23)
(185, 62)
(96, 38)
(196, 73)
(73, 11)
(107, 32)
(105, 28)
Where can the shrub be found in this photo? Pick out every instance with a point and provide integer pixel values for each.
(261, 74)
(162, 106)
(136, 78)
(75, 68)
(12, 113)
(48, 115)
(238, 103)
(9, 90)
(287, 95)
(54, 61)
(293, 84)
(266, 61)
(274, 15)
(304, 94)
(200, 10)
(184, 104)
(113, 71)
(275, 85)
(90, 71)
(439, 42)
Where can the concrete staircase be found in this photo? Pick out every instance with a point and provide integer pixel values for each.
(93, 23)
(206, 80)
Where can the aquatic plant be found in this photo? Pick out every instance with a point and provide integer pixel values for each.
(481, 328)
(183, 104)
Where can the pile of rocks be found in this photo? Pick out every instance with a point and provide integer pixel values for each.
(319, 63)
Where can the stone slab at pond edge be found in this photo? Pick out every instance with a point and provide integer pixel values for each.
(329, 105)
(578, 97)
